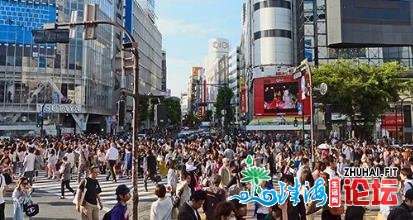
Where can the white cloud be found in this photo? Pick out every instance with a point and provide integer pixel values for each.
(169, 26)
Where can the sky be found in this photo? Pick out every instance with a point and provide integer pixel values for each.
(186, 26)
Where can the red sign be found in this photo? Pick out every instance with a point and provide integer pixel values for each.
(334, 192)
(390, 123)
(279, 95)
(357, 191)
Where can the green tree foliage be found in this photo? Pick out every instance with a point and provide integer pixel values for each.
(224, 97)
(208, 116)
(173, 108)
(360, 91)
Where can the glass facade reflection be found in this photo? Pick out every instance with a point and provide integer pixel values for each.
(74, 74)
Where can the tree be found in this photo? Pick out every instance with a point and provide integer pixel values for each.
(360, 91)
(208, 116)
(224, 97)
(173, 110)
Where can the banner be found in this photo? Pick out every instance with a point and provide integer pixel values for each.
(242, 96)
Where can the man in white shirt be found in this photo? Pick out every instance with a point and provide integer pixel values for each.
(112, 157)
(28, 164)
(331, 169)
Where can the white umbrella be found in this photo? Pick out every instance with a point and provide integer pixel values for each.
(324, 146)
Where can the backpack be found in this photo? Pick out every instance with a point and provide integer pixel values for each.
(108, 215)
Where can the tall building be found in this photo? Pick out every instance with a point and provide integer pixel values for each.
(184, 104)
(140, 21)
(272, 41)
(214, 63)
(72, 84)
(234, 83)
(164, 72)
(353, 15)
(317, 50)
(272, 36)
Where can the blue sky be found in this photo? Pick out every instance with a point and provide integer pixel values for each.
(186, 27)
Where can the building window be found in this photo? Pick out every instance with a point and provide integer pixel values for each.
(272, 4)
(272, 33)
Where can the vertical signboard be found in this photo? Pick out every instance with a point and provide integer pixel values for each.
(242, 95)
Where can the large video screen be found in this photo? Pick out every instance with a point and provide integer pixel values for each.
(280, 97)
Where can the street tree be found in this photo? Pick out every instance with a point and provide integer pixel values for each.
(359, 90)
(224, 97)
(173, 110)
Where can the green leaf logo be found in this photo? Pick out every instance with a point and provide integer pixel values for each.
(259, 190)
(249, 160)
(253, 175)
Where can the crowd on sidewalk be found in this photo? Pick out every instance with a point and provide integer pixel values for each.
(201, 173)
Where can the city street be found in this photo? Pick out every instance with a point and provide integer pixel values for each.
(47, 194)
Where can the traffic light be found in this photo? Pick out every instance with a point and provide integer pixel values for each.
(295, 123)
(39, 120)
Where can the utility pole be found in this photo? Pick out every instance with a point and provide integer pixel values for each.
(51, 33)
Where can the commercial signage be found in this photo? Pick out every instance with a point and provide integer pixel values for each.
(59, 108)
(242, 96)
(279, 95)
(390, 123)
(196, 71)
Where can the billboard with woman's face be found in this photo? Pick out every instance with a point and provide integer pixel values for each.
(280, 95)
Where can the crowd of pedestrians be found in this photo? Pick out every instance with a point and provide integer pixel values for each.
(201, 172)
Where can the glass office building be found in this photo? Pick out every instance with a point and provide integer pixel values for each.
(71, 84)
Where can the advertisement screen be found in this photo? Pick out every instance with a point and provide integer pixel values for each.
(280, 97)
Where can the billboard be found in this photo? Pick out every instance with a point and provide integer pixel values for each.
(242, 95)
(196, 71)
(369, 23)
(279, 95)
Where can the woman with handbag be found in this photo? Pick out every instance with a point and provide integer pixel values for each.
(21, 195)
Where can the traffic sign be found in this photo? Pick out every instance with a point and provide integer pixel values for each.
(51, 36)
(323, 88)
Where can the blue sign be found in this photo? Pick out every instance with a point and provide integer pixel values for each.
(299, 106)
(40, 114)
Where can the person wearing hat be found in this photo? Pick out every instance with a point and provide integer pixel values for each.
(403, 211)
(120, 210)
(189, 210)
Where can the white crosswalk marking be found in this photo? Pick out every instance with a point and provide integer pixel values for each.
(107, 196)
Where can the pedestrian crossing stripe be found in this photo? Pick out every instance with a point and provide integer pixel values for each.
(107, 195)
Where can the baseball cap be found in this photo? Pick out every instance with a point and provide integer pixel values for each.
(409, 194)
(122, 190)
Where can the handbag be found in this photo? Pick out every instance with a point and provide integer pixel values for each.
(30, 208)
(177, 198)
(82, 196)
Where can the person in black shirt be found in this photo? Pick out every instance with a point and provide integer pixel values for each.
(151, 169)
(90, 205)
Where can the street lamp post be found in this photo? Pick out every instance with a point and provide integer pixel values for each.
(133, 47)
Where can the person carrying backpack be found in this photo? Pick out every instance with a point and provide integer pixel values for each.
(214, 195)
(120, 210)
(403, 211)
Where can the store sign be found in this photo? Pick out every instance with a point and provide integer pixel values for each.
(59, 108)
(242, 97)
